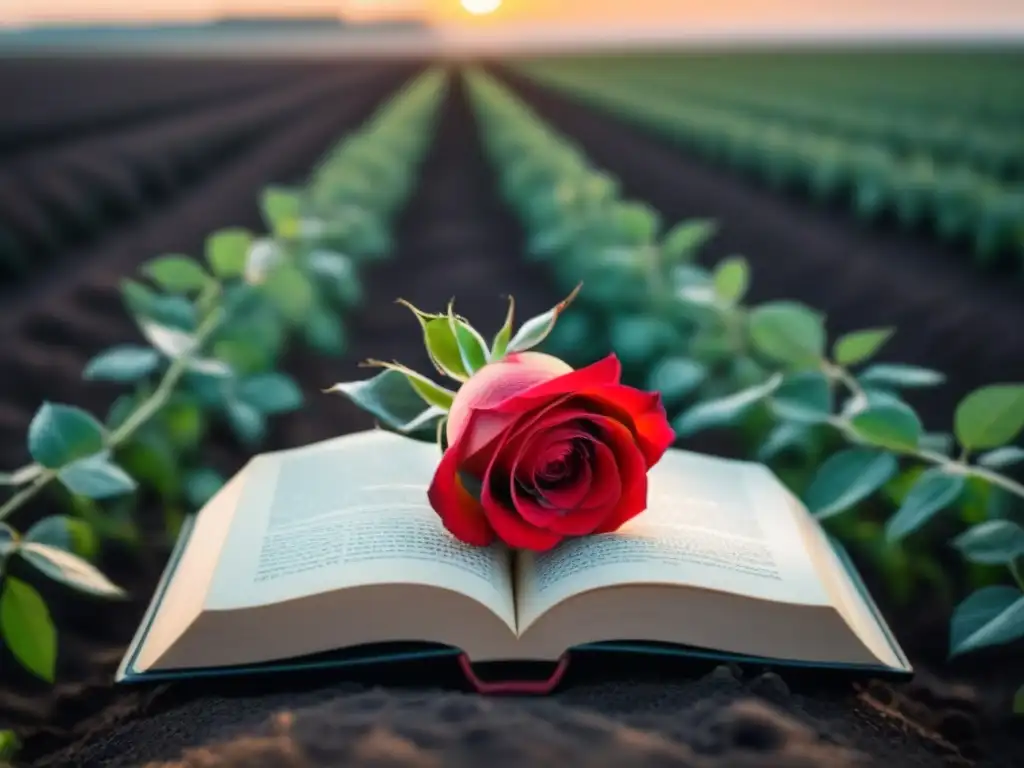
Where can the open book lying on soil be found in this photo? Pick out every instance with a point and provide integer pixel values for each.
(333, 547)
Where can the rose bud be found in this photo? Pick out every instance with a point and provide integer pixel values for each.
(538, 452)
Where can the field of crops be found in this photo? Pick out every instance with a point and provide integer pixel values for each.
(815, 258)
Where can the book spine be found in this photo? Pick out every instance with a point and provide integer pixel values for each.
(540, 687)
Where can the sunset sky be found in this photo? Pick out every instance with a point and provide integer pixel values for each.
(789, 13)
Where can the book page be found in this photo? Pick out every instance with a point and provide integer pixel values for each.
(710, 523)
(346, 513)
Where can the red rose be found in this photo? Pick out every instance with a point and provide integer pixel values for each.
(538, 452)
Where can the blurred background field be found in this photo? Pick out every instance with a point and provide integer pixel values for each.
(866, 162)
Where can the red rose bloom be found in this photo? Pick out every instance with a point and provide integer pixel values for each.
(538, 452)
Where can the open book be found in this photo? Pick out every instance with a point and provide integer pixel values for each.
(333, 547)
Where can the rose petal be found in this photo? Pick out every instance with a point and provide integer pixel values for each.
(601, 500)
(460, 512)
(521, 428)
(497, 382)
(632, 468)
(603, 372)
(508, 524)
(644, 412)
(536, 511)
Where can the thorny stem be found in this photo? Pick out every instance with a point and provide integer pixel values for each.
(138, 418)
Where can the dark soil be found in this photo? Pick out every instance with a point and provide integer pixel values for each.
(455, 240)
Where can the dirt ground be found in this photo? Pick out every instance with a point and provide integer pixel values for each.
(456, 240)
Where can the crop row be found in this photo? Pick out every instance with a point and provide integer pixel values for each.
(835, 425)
(960, 139)
(963, 87)
(215, 330)
(955, 204)
(67, 196)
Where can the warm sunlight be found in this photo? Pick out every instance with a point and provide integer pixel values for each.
(481, 7)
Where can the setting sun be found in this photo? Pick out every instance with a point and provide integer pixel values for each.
(481, 7)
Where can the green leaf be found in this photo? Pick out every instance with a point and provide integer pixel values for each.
(152, 461)
(27, 628)
(788, 434)
(638, 222)
(991, 616)
(63, 532)
(271, 393)
(471, 345)
(992, 542)
(888, 426)
(172, 311)
(61, 434)
(848, 478)
(934, 491)
(264, 257)
(803, 397)
(788, 332)
(856, 347)
(70, 570)
(431, 393)
(291, 292)
(389, 396)
(536, 329)
(682, 242)
(900, 376)
(123, 363)
(936, 442)
(95, 477)
(281, 209)
(325, 333)
(990, 417)
(1002, 457)
(427, 420)
(10, 745)
(8, 540)
(201, 485)
(676, 378)
(723, 411)
(247, 422)
(732, 279)
(441, 343)
(177, 344)
(185, 423)
(502, 338)
(227, 252)
(177, 274)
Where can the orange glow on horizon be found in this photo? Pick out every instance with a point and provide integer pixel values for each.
(759, 14)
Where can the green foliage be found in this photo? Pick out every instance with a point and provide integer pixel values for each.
(855, 348)
(60, 434)
(788, 332)
(215, 332)
(847, 478)
(935, 490)
(991, 616)
(9, 746)
(990, 417)
(833, 421)
(883, 156)
(27, 628)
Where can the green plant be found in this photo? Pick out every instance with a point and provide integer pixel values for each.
(831, 155)
(215, 333)
(835, 425)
